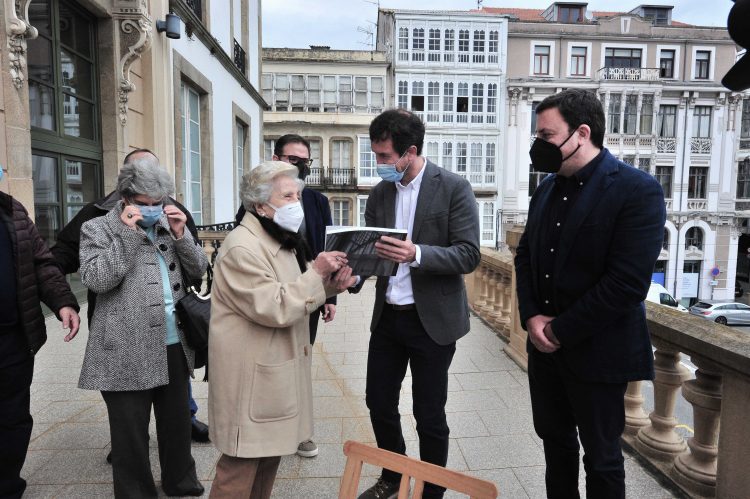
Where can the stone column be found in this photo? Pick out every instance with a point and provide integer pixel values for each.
(635, 417)
(498, 318)
(696, 470)
(516, 347)
(507, 305)
(659, 440)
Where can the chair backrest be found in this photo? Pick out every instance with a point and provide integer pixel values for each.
(357, 453)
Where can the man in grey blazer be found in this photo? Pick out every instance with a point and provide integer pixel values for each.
(421, 311)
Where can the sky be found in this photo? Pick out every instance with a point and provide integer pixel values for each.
(341, 24)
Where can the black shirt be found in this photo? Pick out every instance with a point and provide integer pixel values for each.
(563, 196)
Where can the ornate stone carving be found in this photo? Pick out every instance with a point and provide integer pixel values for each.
(135, 37)
(514, 93)
(18, 31)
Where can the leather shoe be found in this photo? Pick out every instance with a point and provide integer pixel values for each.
(200, 431)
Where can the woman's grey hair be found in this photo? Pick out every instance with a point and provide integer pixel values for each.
(142, 175)
(257, 185)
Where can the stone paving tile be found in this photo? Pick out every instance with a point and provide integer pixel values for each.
(97, 413)
(74, 466)
(330, 462)
(473, 401)
(309, 488)
(58, 412)
(73, 436)
(46, 492)
(328, 430)
(323, 372)
(289, 466)
(327, 388)
(466, 424)
(505, 480)
(350, 371)
(331, 359)
(57, 375)
(509, 451)
(358, 429)
(456, 458)
(63, 392)
(354, 387)
(508, 421)
(484, 380)
(332, 407)
(36, 459)
(39, 428)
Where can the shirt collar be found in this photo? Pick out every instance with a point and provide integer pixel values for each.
(584, 174)
(416, 181)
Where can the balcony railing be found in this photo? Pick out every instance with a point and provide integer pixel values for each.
(697, 204)
(712, 462)
(332, 177)
(239, 57)
(742, 205)
(666, 144)
(629, 74)
(745, 143)
(195, 6)
(700, 145)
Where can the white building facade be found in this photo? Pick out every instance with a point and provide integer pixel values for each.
(449, 68)
(666, 113)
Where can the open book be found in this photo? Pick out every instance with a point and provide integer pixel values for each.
(359, 245)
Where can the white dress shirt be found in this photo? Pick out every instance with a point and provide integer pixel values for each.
(399, 290)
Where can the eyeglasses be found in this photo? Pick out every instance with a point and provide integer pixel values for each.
(297, 161)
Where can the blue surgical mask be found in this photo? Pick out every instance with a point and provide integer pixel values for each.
(389, 173)
(1, 172)
(150, 214)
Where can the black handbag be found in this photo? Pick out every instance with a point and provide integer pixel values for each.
(193, 315)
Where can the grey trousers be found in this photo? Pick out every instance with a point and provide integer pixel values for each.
(129, 414)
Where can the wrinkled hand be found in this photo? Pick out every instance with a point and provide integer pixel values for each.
(328, 262)
(130, 215)
(329, 311)
(70, 320)
(342, 280)
(176, 219)
(396, 250)
(537, 328)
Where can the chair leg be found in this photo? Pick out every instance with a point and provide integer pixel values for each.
(350, 480)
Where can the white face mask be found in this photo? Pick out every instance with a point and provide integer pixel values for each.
(289, 216)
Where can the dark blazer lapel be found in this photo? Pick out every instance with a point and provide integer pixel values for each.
(592, 194)
(389, 204)
(430, 181)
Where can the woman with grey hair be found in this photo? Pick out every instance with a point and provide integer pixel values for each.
(265, 286)
(136, 258)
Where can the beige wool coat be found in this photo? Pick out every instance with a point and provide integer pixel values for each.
(260, 384)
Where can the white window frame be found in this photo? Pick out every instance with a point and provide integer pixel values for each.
(337, 209)
(711, 62)
(641, 46)
(589, 54)
(361, 206)
(187, 152)
(552, 48)
(241, 135)
(364, 150)
(677, 59)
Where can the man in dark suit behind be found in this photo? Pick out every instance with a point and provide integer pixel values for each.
(583, 269)
(421, 311)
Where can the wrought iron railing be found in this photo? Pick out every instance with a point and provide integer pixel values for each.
(700, 145)
(332, 177)
(666, 144)
(239, 57)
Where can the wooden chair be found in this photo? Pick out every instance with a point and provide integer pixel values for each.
(358, 453)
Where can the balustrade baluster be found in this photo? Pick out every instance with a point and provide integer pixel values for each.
(487, 307)
(481, 300)
(660, 440)
(635, 417)
(696, 470)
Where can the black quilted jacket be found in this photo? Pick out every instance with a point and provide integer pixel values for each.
(38, 277)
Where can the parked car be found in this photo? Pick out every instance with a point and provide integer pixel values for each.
(738, 289)
(723, 313)
(658, 294)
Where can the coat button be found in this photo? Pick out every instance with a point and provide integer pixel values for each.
(176, 287)
(172, 266)
(163, 247)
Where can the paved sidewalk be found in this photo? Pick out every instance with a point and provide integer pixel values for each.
(488, 413)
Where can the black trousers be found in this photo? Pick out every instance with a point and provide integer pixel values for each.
(314, 318)
(400, 340)
(565, 409)
(129, 414)
(16, 372)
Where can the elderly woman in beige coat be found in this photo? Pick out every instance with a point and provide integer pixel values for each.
(265, 286)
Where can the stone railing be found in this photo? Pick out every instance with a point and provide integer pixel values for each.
(697, 204)
(489, 289)
(711, 463)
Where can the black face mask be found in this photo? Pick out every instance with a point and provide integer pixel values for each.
(547, 157)
(304, 171)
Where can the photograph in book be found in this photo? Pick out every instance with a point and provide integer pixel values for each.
(359, 245)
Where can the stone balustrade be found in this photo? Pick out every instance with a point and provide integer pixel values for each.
(715, 461)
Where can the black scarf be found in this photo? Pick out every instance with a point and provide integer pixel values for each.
(288, 240)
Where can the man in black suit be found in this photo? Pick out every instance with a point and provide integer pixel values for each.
(583, 269)
(295, 149)
(66, 250)
(422, 311)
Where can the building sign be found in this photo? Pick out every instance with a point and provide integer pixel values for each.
(689, 287)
